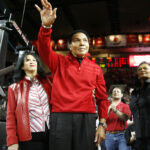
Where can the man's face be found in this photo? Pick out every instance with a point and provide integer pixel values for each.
(79, 45)
(117, 93)
(143, 71)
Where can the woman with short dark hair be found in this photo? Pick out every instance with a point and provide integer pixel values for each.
(28, 109)
(140, 107)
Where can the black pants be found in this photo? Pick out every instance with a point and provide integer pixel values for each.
(143, 144)
(40, 141)
(72, 131)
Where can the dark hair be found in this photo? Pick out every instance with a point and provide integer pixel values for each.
(19, 73)
(69, 40)
(143, 62)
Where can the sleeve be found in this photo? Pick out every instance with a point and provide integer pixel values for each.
(49, 57)
(101, 96)
(126, 110)
(11, 124)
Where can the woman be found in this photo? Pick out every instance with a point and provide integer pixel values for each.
(140, 107)
(28, 109)
(118, 113)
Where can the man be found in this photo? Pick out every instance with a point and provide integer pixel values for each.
(118, 113)
(73, 118)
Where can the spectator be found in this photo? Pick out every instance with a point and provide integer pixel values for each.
(28, 110)
(118, 113)
(3, 104)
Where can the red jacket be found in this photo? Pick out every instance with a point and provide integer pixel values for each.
(17, 121)
(73, 84)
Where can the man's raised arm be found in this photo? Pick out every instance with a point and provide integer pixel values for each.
(48, 16)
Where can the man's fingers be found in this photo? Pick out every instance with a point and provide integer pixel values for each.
(37, 7)
(43, 3)
(95, 140)
(54, 12)
(46, 4)
(98, 141)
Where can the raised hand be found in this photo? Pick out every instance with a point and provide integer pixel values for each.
(48, 15)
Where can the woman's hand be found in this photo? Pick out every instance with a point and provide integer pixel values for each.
(13, 147)
(48, 15)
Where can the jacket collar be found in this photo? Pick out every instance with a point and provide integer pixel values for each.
(30, 80)
(72, 57)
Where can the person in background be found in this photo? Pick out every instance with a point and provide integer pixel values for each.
(73, 117)
(130, 136)
(28, 108)
(3, 105)
(3, 108)
(126, 99)
(140, 107)
(118, 114)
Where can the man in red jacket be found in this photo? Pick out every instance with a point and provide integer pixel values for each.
(75, 77)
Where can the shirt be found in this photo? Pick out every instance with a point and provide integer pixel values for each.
(114, 123)
(39, 111)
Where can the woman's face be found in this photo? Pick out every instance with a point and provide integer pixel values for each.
(143, 71)
(30, 64)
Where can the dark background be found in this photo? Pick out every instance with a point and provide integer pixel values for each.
(98, 17)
